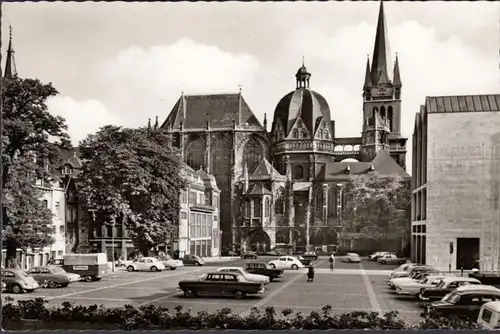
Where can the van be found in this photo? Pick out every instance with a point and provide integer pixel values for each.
(489, 315)
(92, 267)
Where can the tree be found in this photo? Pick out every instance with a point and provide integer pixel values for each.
(30, 132)
(132, 176)
(377, 205)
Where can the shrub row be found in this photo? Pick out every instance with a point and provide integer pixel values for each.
(154, 317)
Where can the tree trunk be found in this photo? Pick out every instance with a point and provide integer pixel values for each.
(11, 261)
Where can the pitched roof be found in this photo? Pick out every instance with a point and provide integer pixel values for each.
(258, 189)
(383, 163)
(219, 109)
(265, 169)
(462, 103)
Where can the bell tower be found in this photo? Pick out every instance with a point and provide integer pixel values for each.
(382, 100)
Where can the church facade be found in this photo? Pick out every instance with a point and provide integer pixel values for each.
(284, 186)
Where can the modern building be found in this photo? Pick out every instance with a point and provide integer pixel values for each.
(455, 216)
(281, 186)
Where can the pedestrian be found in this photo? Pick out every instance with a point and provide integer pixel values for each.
(310, 273)
(332, 261)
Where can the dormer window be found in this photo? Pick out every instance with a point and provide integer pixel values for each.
(295, 133)
(67, 170)
(299, 123)
(320, 133)
(327, 135)
(304, 133)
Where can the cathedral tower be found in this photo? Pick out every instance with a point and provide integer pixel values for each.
(382, 101)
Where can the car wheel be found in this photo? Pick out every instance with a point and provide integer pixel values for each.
(295, 267)
(168, 268)
(419, 295)
(130, 269)
(239, 294)
(52, 284)
(272, 265)
(189, 293)
(16, 288)
(173, 268)
(196, 264)
(382, 262)
(154, 268)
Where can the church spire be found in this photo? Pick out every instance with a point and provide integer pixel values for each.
(368, 80)
(302, 76)
(10, 64)
(397, 76)
(381, 63)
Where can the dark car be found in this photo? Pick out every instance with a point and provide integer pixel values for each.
(221, 284)
(193, 260)
(464, 302)
(310, 255)
(262, 268)
(249, 255)
(53, 276)
(303, 260)
(447, 285)
(486, 278)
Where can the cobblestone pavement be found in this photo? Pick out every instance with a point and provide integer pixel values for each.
(350, 287)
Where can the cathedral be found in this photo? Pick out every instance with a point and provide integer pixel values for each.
(284, 187)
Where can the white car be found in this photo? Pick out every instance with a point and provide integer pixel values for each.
(352, 258)
(376, 255)
(171, 264)
(286, 262)
(249, 277)
(404, 268)
(146, 264)
(413, 288)
(396, 282)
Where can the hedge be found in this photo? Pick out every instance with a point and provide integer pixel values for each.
(19, 316)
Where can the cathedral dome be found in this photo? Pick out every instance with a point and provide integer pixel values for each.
(304, 103)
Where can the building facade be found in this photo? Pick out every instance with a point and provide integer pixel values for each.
(455, 216)
(283, 186)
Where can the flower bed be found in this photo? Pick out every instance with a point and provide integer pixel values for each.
(35, 315)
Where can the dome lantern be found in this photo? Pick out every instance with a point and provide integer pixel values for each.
(302, 77)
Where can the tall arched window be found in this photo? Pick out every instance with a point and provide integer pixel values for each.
(257, 205)
(279, 204)
(390, 118)
(221, 155)
(304, 133)
(320, 133)
(319, 201)
(332, 202)
(298, 172)
(295, 133)
(267, 209)
(382, 112)
(327, 135)
(253, 154)
(195, 153)
(248, 209)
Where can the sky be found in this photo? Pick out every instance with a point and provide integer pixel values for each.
(122, 63)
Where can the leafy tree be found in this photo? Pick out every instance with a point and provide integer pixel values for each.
(30, 131)
(376, 205)
(132, 176)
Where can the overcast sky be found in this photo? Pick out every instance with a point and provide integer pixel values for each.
(123, 63)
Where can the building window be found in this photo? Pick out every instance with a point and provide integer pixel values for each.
(298, 172)
(248, 208)
(192, 198)
(209, 225)
(295, 133)
(183, 196)
(192, 222)
(45, 204)
(299, 123)
(198, 225)
(268, 207)
(320, 133)
(304, 133)
(326, 134)
(279, 204)
(257, 203)
(216, 218)
(61, 229)
(216, 201)
(183, 215)
(58, 210)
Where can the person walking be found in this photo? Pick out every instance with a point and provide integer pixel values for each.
(332, 261)
(310, 273)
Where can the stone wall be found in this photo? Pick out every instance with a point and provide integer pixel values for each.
(461, 183)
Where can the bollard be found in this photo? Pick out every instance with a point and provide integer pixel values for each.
(462, 272)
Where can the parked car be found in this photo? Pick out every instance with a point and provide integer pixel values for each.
(18, 281)
(416, 274)
(413, 269)
(376, 255)
(90, 266)
(402, 269)
(170, 264)
(304, 261)
(55, 262)
(352, 258)
(146, 264)
(249, 277)
(413, 288)
(489, 316)
(310, 256)
(286, 262)
(445, 286)
(262, 268)
(53, 276)
(465, 302)
(249, 255)
(486, 278)
(391, 259)
(220, 284)
(193, 260)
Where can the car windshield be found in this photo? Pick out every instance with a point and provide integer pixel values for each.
(452, 298)
(58, 270)
(23, 273)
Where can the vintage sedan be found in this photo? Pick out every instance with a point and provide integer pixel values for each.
(53, 276)
(221, 284)
(352, 258)
(391, 259)
(310, 255)
(286, 262)
(146, 264)
(249, 277)
(249, 255)
(413, 270)
(413, 288)
(375, 256)
(401, 271)
(445, 286)
(262, 268)
(18, 280)
(465, 302)
(414, 276)
(170, 264)
(192, 260)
